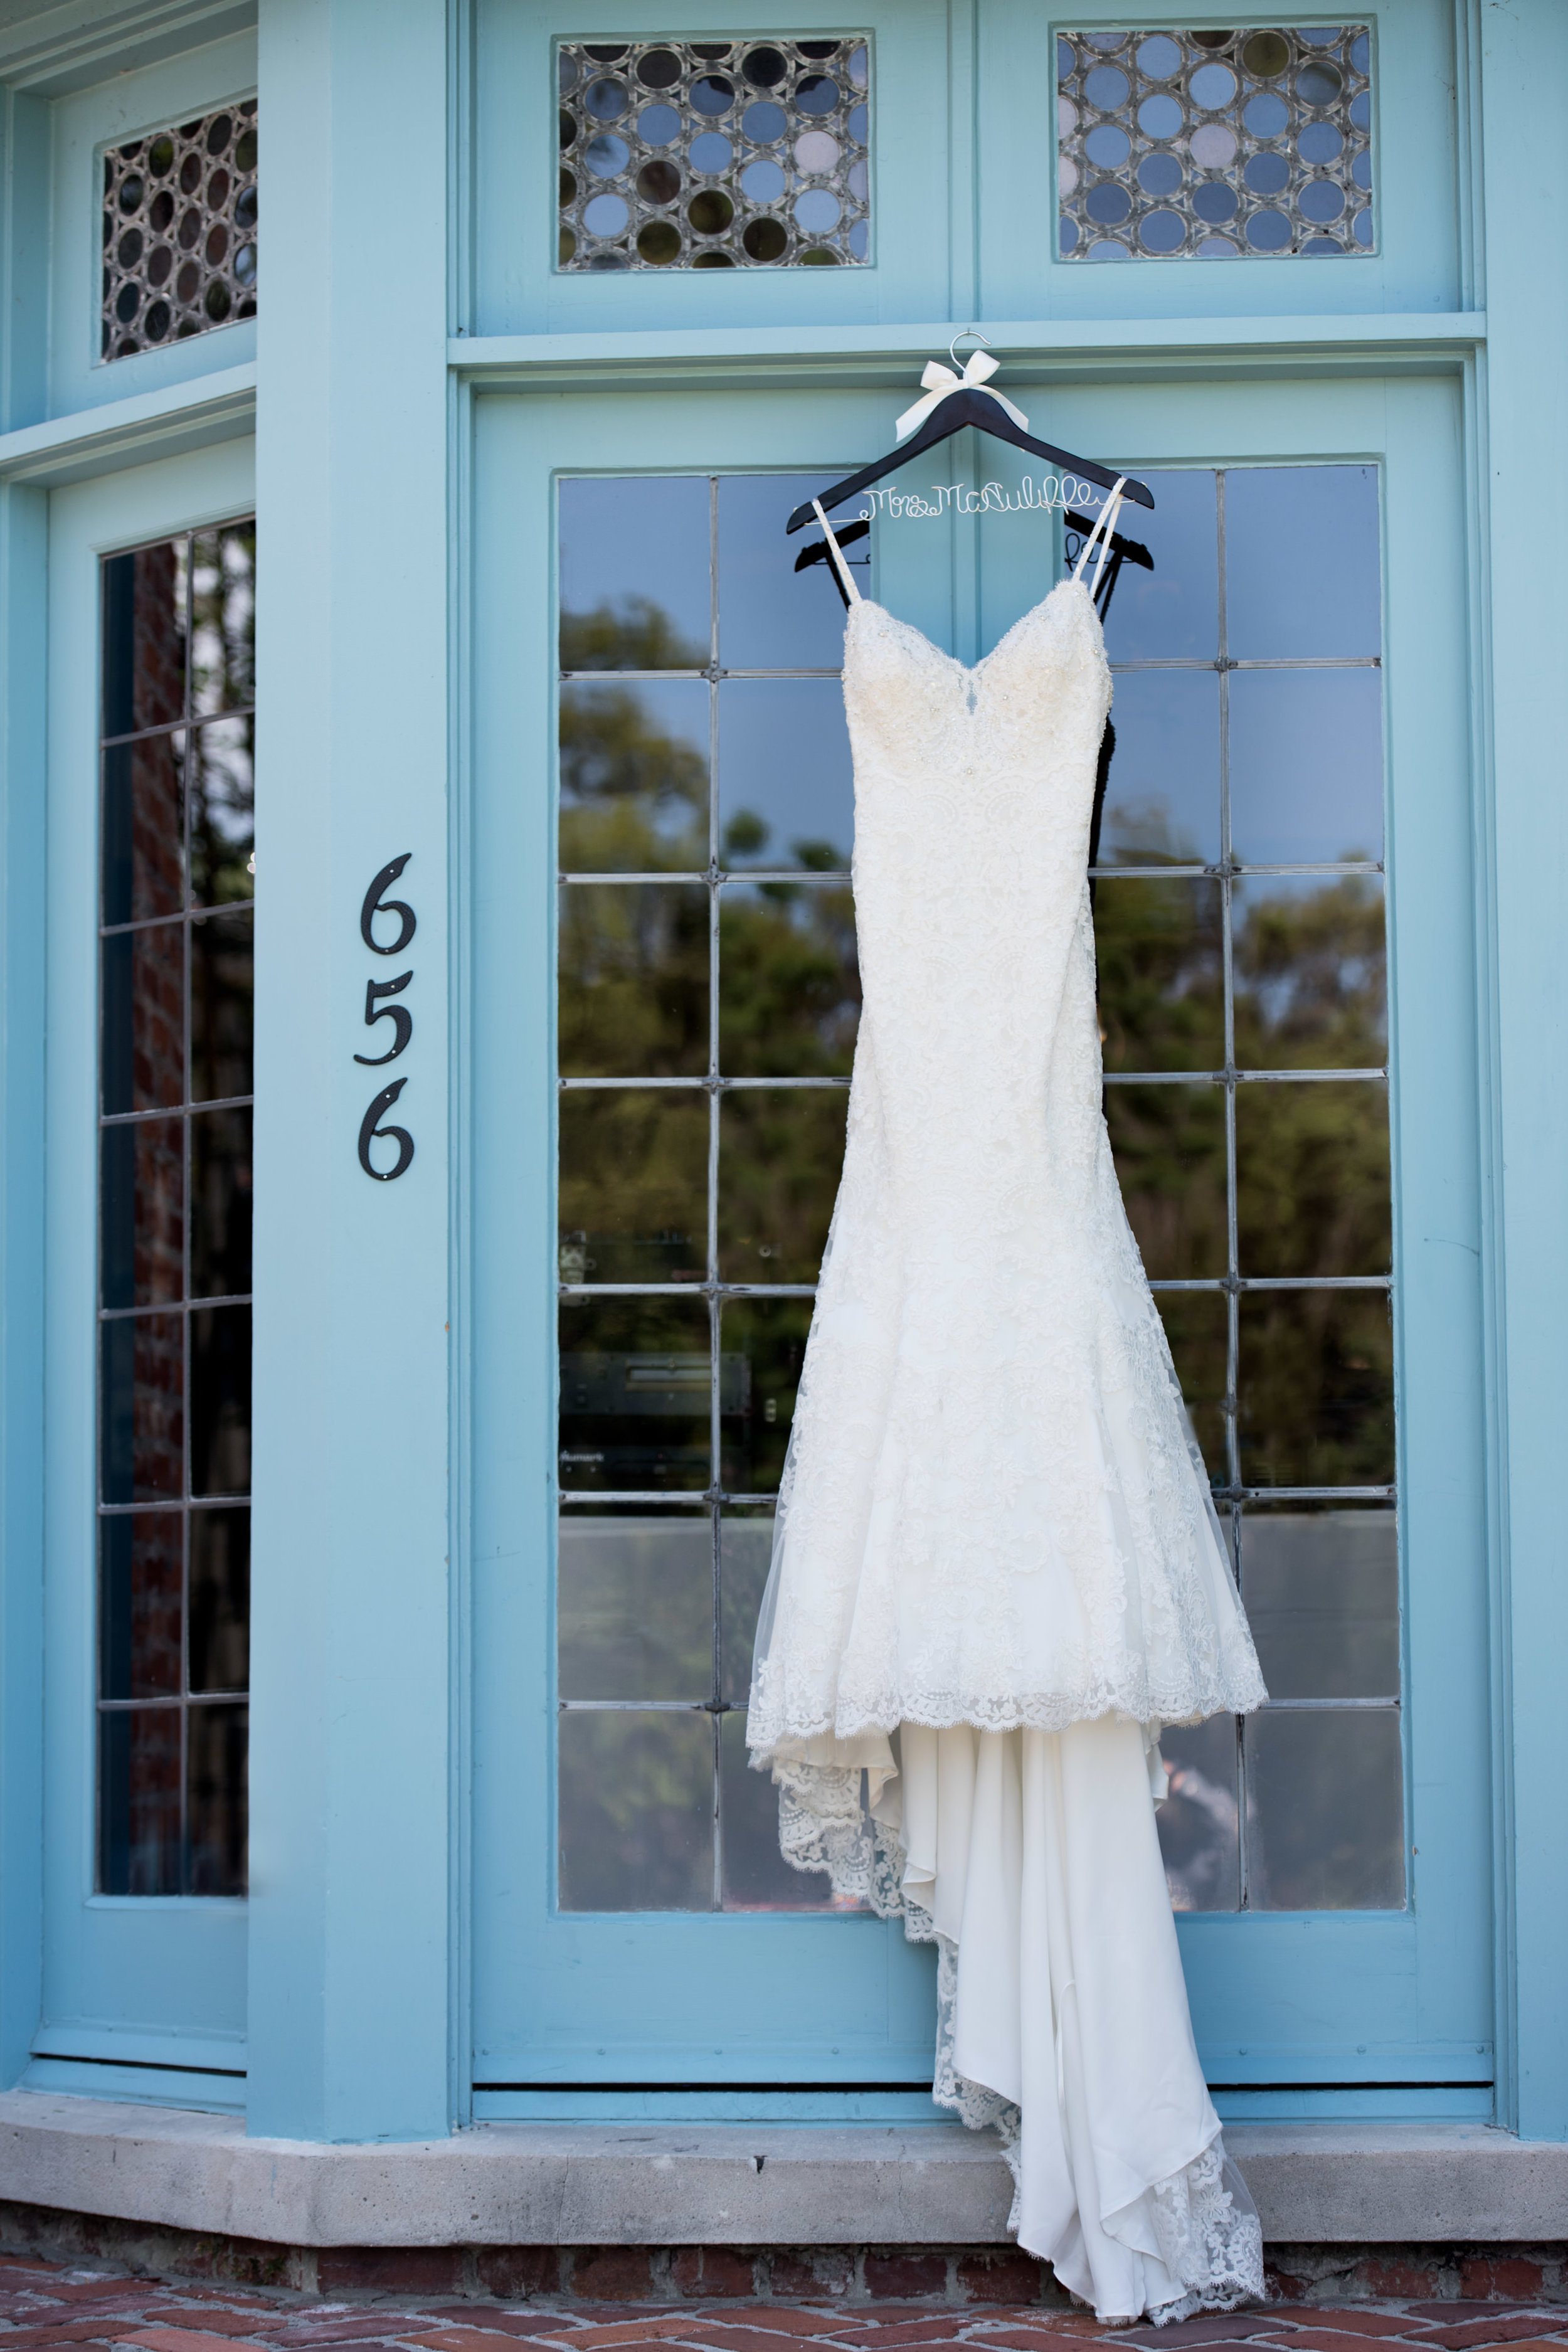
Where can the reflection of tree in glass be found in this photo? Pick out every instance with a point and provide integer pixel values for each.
(1315, 1388)
(638, 635)
(633, 1186)
(633, 979)
(1310, 976)
(635, 1814)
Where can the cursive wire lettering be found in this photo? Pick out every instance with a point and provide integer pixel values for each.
(1052, 491)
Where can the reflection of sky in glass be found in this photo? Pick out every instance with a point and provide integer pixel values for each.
(625, 538)
(1324, 1821)
(1306, 765)
(769, 615)
(1302, 570)
(1162, 795)
(1173, 612)
(783, 759)
(1321, 1590)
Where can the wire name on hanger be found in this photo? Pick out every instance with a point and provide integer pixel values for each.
(1053, 490)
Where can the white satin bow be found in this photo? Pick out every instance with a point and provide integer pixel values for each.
(941, 384)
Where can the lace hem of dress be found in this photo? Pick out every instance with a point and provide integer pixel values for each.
(1206, 2224)
(770, 1726)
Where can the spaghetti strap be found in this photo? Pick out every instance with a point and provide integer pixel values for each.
(850, 590)
(1106, 524)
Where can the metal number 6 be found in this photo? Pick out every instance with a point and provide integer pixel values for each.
(369, 1131)
(375, 905)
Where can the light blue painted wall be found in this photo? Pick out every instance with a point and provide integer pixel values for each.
(351, 1959)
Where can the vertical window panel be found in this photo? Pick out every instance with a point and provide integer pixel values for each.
(176, 994)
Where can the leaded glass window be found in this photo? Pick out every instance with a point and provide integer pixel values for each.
(708, 1006)
(174, 1194)
(179, 232)
(1213, 144)
(715, 155)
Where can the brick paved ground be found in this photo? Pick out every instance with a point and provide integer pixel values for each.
(45, 2303)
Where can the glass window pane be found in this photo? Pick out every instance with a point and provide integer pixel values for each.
(223, 812)
(179, 232)
(635, 572)
(634, 1606)
(144, 639)
(756, 1875)
(1312, 1178)
(780, 1158)
(141, 1576)
(1195, 1329)
(1325, 1829)
(633, 776)
(769, 615)
(633, 990)
(220, 1401)
(1199, 1821)
(142, 1212)
(220, 1599)
(142, 1422)
(216, 1757)
(636, 1812)
(633, 1200)
(1162, 795)
(764, 1348)
(1315, 1388)
(786, 789)
(745, 1555)
(1311, 961)
(223, 991)
(1169, 1147)
(1321, 1590)
(635, 1377)
(1301, 562)
(1306, 765)
(139, 1800)
(141, 1047)
(220, 1203)
(1173, 612)
(1158, 948)
(223, 618)
(789, 980)
(142, 849)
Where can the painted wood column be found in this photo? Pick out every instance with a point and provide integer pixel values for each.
(1524, 95)
(353, 1867)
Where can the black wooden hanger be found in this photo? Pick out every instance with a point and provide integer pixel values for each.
(969, 405)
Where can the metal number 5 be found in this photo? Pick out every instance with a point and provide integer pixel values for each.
(402, 1020)
(370, 1130)
(375, 904)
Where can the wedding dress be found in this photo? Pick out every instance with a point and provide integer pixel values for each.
(998, 1571)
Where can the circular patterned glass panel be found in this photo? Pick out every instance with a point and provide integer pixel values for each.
(1321, 202)
(606, 215)
(1213, 87)
(712, 94)
(1158, 57)
(1213, 201)
(817, 211)
(1266, 54)
(606, 156)
(711, 152)
(1320, 83)
(1267, 175)
(815, 94)
(1319, 143)
(1106, 88)
(1268, 232)
(1106, 147)
(763, 182)
(657, 125)
(1267, 115)
(605, 101)
(816, 150)
(1159, 117)
(1160, 175)
(1161, 232)
(1108, 203)
(1213, 146)
(764, 124)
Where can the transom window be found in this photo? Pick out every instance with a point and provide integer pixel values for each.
(1214, 143)
(707, 1014)
(174, 1196)
(180, 232)
(715, 155)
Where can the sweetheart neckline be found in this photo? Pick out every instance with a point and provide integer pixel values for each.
(966, 669)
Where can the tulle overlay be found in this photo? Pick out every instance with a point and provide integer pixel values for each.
(995, 1557)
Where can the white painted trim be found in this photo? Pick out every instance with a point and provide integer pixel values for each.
(760, 2184)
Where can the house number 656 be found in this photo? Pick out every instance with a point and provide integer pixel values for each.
(376, 903)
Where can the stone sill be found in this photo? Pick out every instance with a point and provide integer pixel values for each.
(754, 2185)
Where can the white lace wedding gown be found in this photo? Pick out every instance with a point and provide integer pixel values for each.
(997, 1567)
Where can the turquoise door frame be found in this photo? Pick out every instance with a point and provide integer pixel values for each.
(1304, 1999)
(127, 1981)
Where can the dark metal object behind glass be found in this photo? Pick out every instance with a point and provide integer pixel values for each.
(709, 999)
(177, 869)
(179, 232)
